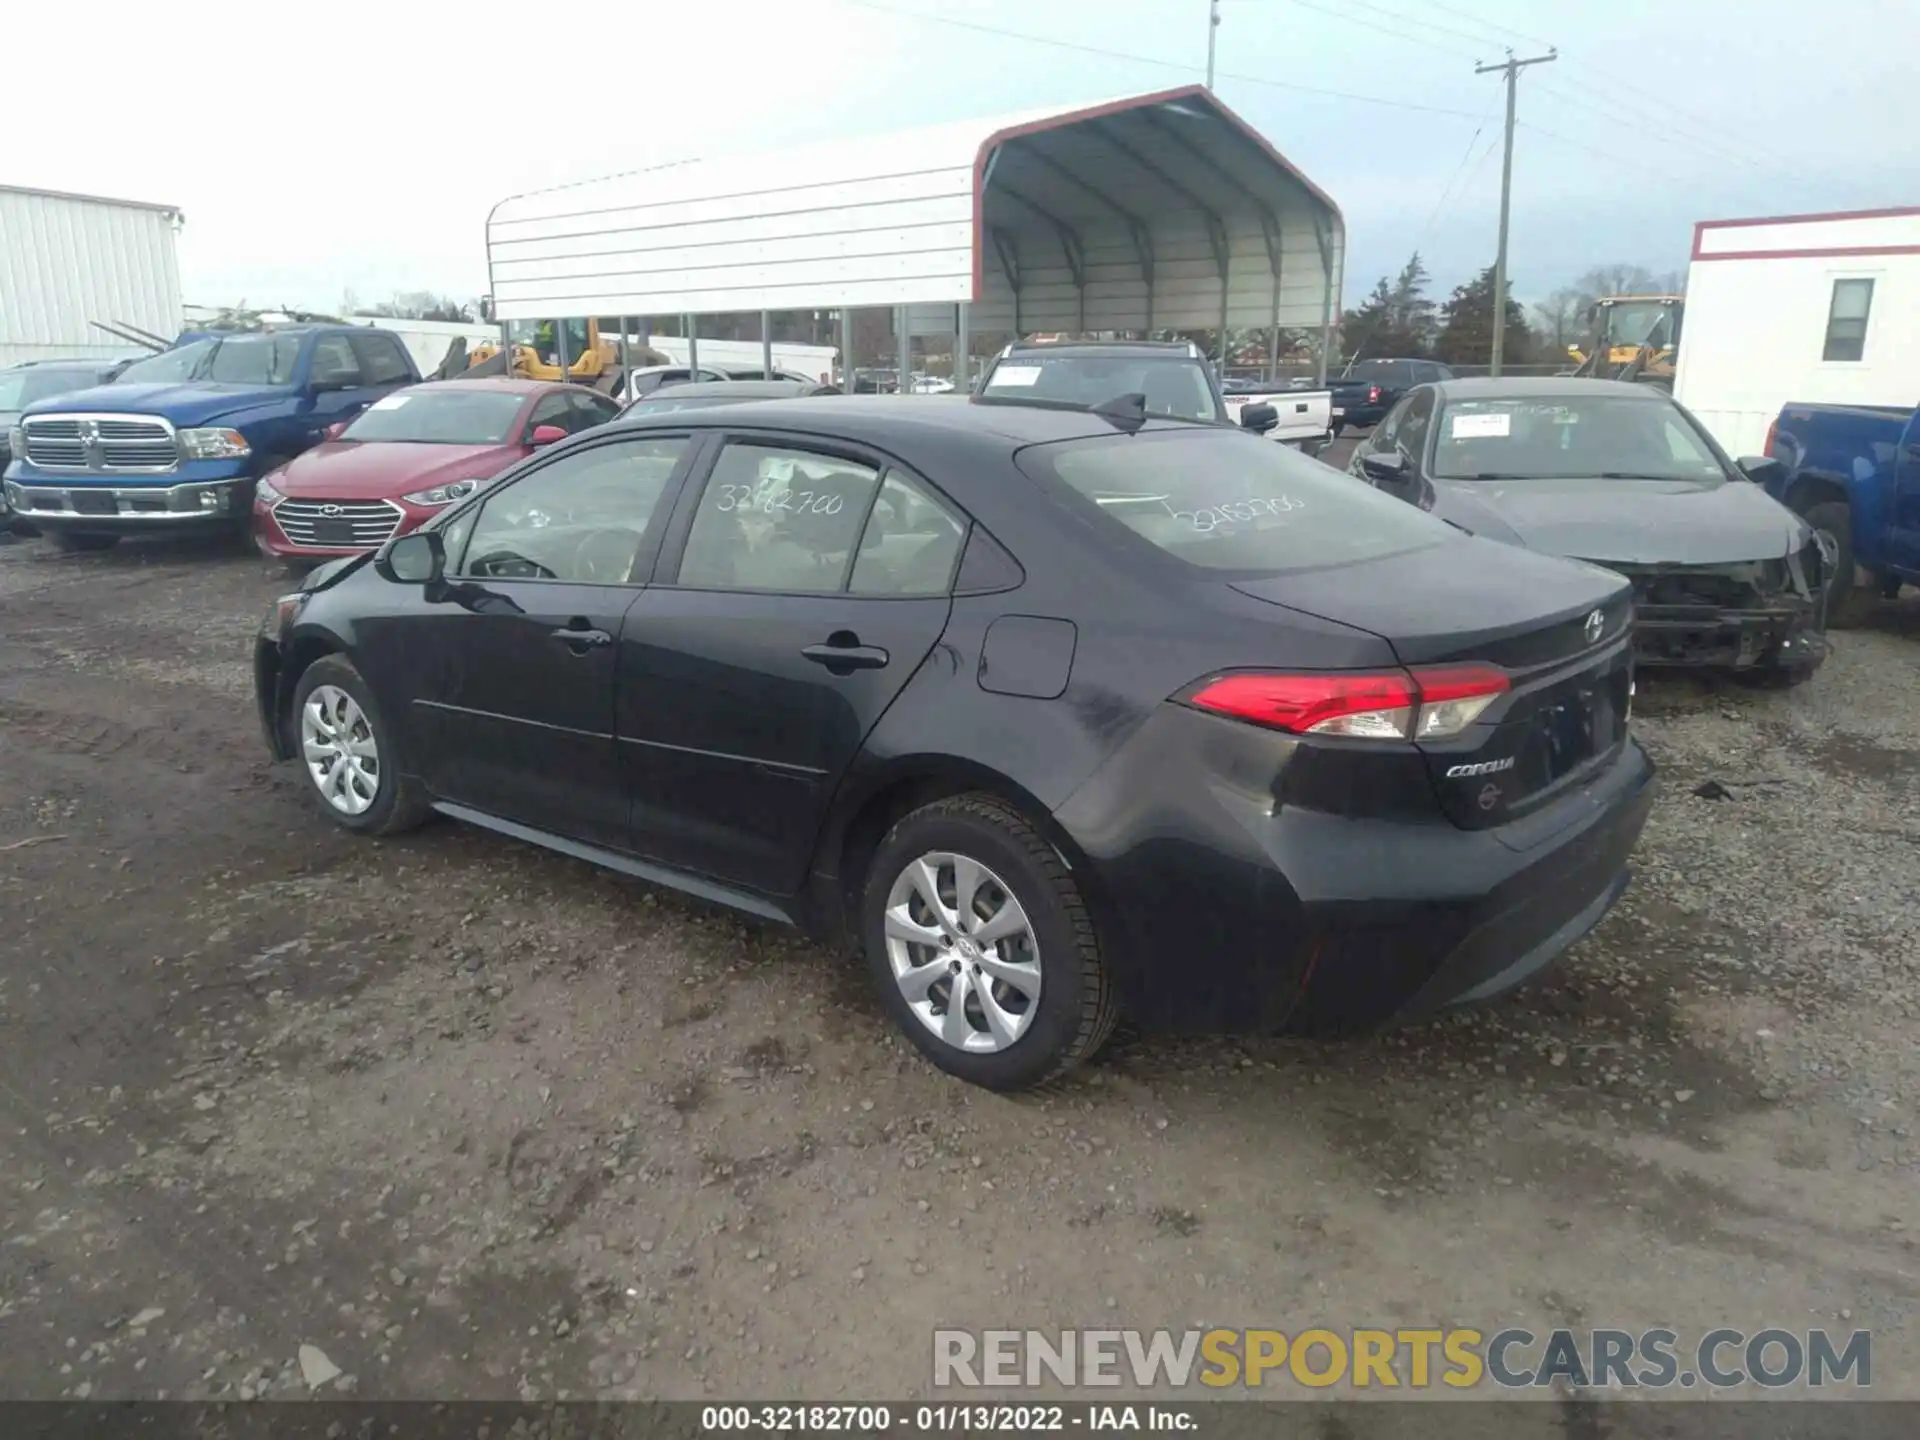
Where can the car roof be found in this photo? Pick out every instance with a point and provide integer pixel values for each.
(1542, 387)
(1103, 347)
(59, 365)
(758, 389)
(511, 385)
(883, 420)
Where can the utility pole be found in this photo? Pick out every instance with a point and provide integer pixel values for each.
(1512, 68)
(1213, 31)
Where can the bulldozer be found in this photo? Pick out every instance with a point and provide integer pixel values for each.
(1631, 337)
(534, 353)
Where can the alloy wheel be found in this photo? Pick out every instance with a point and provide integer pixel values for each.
(963, 952)
(339, 750)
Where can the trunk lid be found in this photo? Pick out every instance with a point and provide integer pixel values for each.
(1561, 630)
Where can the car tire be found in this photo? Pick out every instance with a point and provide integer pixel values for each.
(1848, 604)
(335, 709)
(78, 541)
(1005, 1037)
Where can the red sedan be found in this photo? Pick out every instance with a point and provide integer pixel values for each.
(408, 456)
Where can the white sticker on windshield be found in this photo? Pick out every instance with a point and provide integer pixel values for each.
(1016, 375)
(1481, 427)
(390, 402)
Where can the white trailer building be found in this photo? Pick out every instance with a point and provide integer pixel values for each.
(1820, 308)
(67, 261)
(1149, 212)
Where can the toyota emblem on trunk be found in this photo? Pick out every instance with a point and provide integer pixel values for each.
(1596, 626)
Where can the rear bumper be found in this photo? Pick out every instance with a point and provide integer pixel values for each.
(1227, 906)
(1676, 636)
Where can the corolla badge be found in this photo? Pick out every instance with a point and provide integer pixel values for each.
(1596, 626)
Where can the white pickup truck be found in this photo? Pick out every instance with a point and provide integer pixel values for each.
(1305, 417)
(1174, 377)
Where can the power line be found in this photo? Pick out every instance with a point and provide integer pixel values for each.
(1378, 29)
(1075, 46)
(1716, 130)
(1452, 180)
(1477, 20)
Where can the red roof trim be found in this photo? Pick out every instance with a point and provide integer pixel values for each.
(1701, 227)
(1099, 112)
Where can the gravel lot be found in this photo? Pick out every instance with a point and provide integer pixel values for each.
(472, 1120)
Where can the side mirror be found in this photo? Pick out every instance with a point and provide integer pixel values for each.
(419, 558)
(1388, 465)
(337, 429)
(1259, 418)
(1763, 470)
(546, 435)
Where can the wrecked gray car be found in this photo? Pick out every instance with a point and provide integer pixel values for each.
(1619, 475)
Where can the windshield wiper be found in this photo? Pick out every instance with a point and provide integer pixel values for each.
(1636, 475)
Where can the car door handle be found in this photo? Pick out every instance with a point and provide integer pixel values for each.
(847, 657)
(580, 638)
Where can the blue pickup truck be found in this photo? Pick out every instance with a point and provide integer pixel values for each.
(177, 442)
(1854, 472)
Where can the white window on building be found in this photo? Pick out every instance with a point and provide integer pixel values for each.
(1847, 320)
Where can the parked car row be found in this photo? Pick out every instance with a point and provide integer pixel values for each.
(1065, 699)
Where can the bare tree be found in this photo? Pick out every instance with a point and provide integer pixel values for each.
(1560, 319)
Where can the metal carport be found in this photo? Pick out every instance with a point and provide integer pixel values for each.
(1158, 211)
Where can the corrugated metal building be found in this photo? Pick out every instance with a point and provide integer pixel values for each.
(1152, 211)
(66, 260)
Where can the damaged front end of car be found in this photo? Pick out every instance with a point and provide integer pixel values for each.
(1768, 614)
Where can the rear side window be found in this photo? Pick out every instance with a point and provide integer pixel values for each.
(1227, 501)
(382, 361)
(774, 518)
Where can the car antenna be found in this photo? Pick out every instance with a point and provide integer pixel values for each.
(1126, 413)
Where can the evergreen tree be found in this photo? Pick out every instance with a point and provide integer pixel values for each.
(1466, 335)
(1414, 315)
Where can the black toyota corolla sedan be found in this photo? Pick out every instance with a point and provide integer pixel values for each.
(1053, 714)
(1724, 576)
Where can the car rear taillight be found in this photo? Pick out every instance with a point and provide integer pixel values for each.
(1373, 394)
(1773, 432)
(1425, 703)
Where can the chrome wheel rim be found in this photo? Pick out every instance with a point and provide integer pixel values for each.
(341, 755)
(963, 952)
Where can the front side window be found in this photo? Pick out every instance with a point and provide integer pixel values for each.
(1567, 437)
(382, 361)
(423, 416)
(333, 362)
(777, 518)
(1847, 320)
(580, 518)
(1223, 500)
(585, 410)
(1418, 414)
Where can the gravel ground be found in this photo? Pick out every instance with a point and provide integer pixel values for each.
(462, 1118)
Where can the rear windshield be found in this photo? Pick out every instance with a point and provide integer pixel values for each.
(1226, 500)
(1173, 384)
(1384, 372)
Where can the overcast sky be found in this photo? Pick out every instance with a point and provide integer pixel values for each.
(360, 146)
